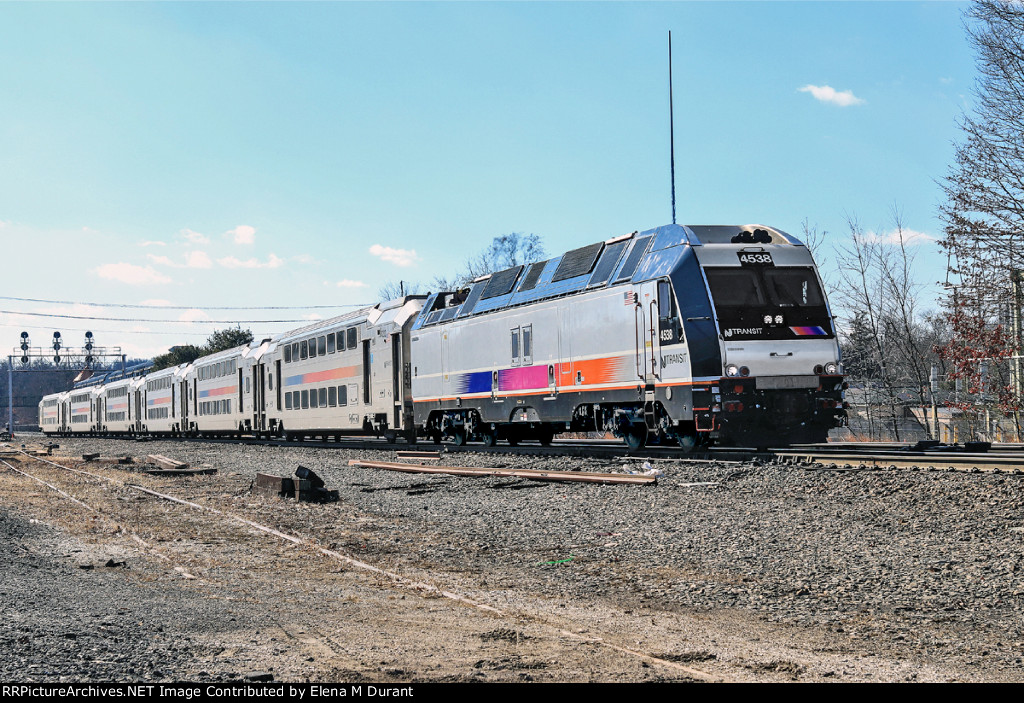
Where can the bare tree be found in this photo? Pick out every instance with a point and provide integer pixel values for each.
(889, 343)
(984, 218)
(504, 251)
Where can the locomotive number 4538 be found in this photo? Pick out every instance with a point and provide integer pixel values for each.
(755, 259)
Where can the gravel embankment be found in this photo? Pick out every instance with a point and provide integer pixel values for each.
(922, 565)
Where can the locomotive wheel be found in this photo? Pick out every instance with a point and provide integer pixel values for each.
(459, 436)
(545, 435)
(687, 442)
(490, 437)
(636, 438)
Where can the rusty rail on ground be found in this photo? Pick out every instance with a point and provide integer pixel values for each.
(534, 474)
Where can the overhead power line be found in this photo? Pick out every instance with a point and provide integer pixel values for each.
(188, 307)
(142, 319)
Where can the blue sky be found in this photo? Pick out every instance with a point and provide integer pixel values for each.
(301, 154)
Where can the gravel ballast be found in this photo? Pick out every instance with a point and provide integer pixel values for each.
(921, 569)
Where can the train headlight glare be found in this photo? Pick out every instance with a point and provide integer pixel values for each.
(732, 370)
(831, 368)
(767, 319)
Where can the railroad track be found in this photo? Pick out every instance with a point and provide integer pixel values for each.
(413, 585)
(847, 456)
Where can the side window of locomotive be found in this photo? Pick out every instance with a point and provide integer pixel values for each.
(330, 343)
(789, 287)
(668, 314)
(341, 340)
(287, 353)
(287, 401)
(303, 350)
(321, 346)
(515, 347)
(332, 396)
(342, 395)
(735, 287)
(353, 337)
(323, 397)
(312, 348)
(527, 344)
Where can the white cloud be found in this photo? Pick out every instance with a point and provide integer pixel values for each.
(149, 243)
(304, 259)
(910, 237)
(828, 94)
(193, 260)
(194, 237)
(398, 257)
(346, 283)
(160, 259)
(131, 274)
(198, 260)
(193, 315)
(945, 81)
(243, 234)
(4, 223)
(230, 262)
(311, 316)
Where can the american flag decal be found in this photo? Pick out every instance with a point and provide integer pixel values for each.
(628, 298)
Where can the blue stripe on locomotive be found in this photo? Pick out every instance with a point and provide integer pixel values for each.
(475, 382)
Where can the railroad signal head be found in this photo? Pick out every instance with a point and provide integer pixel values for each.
(56, 341)
(24, 359)
(56, 358)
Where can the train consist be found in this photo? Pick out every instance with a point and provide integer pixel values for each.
(687, 334)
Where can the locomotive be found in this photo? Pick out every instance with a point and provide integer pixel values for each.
(684, 334)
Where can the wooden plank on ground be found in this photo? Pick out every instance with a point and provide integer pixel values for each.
(534, 474)
(180, 472)
(166, 463)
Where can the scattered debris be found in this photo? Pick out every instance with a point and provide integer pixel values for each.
(303, 488)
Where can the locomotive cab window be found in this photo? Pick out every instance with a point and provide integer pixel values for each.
(769, 302)
(527, 344)
(793, 287)
(735, 287)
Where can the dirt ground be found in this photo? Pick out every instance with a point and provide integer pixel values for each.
(351, 603)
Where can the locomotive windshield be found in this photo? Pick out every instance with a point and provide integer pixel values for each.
(768, 302)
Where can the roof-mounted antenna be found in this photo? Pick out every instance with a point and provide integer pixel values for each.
(671, 129)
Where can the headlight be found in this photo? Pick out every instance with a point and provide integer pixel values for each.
(744, 371)
(732, 370)
(831, 368)
(818, 368)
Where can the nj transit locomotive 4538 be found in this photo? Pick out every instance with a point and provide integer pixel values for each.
(688, 334)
